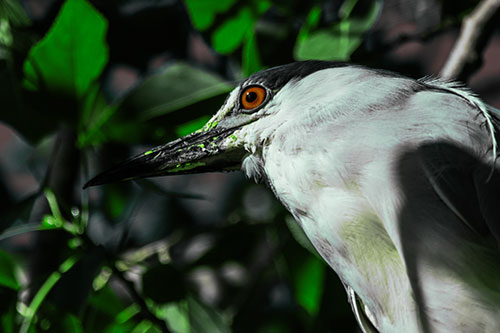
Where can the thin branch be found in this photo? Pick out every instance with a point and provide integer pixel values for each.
(473, 29)
(129, 285)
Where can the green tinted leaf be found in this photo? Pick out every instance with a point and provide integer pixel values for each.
(96, 112)
(176, 315)
(309, 284)
(145, 326)
(44, 291)
(28, 227)
(192, 126)
(251, 57)
(8, 320)
(71, 323)
(5, 35)
(116, 201)
(14, 12)
(340, 40)
(203, 13)
(312, 21)
(17, 212)
(176, 87)
(127, 313)
(106, 302)
(229, 35)
(72, 54)
(205, 319)
(7, 272)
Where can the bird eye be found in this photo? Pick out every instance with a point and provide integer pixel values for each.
(252, 97)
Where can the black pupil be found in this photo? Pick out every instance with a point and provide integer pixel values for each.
(251, 96)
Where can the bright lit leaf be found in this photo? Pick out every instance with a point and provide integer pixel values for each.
(176, 315)
(229, 35)
(309, 284)
(127, 313)
(340, 40)
(203, 13)
(72, 54)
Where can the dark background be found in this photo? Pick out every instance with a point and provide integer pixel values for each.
(85, 84)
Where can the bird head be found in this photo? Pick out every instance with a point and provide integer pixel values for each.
(235, 133)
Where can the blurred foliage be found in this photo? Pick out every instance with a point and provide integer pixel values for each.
(77, 261)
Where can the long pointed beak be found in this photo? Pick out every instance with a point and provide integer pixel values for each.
(202, 151)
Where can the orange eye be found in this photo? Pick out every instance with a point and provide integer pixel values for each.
(252, 97)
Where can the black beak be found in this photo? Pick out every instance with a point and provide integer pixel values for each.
(202, 151)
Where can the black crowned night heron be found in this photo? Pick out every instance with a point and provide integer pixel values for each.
(392, 179)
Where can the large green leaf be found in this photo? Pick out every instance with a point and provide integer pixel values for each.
(338, 41)
(230, 34)
(203, 12)
(72, 54)
(234, 20)
(158, 109)
(7, 272)
(178, 86)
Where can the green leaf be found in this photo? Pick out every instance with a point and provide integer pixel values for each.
(5, 35)
(104, 301)
(116, 201)
(17, 212)
(14, 12)
(154, 110)
(176, 87)
(176, 315)
(192, 126)
(309, 284)
(71, 323)
(8, 320)
(203, 13)
(340, 40)
(230, 30)
(205, 319)
(71, 55)
(251, 57)
(229, 35)
(27, 227)
(311, 22)
(7, 272)
(96, 112)
(127, 313)
(44, 291)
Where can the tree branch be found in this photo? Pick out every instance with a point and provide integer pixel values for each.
(466, 49)
(138, 299)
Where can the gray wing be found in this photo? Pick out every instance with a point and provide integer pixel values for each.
(466, 184)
